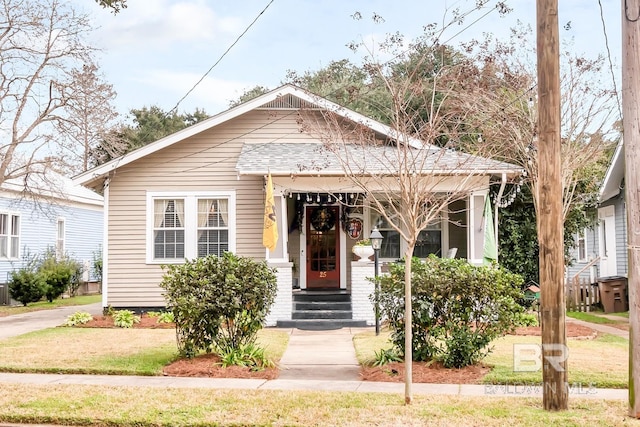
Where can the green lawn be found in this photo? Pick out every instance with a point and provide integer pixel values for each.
(106, 350)
(46, 305)
(145, 351)
(137, 406)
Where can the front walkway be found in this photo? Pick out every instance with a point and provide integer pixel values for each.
(321, 355)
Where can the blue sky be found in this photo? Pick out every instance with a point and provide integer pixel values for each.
(154, 51)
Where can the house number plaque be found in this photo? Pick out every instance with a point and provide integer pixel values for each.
(323, 274)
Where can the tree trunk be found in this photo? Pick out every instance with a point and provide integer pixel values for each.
(408, 331)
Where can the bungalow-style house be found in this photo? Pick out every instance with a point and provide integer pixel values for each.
(54, 213)
(600, 251)
(201, 191)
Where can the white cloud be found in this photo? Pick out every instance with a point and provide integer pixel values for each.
(213, 95)
(162, 23)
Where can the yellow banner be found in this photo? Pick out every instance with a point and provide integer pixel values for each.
(270, 230)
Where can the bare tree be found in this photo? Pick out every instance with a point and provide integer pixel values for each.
(89, 114)
(413, 176)
(504, 100)
(41, 44)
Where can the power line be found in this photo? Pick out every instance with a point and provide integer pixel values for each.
(221, 57)
(606, 43)
(327, 94)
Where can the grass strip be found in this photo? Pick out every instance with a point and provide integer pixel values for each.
(137, 406)
(593, 318)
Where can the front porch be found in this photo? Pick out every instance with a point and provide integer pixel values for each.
(314, 255)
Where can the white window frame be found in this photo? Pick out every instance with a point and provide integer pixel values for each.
(11, 235)
(190, 221)
(582, 235)
(61, 233)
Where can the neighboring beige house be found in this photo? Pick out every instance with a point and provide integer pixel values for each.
(201, 191)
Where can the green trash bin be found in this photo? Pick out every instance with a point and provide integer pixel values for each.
(613, 294)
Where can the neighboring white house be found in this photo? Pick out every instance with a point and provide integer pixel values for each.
(55, 214)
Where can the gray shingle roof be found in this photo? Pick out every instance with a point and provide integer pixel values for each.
(306, 158)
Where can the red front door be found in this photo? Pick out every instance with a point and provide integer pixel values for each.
(323, 246)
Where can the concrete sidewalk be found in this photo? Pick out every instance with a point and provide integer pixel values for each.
(511, 390)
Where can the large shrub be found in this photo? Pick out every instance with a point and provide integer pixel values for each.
(26, 286)
(59, 275)
(219, 303)
(458, 308)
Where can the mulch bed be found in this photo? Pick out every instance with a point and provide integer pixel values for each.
(146, 322)
(207, 365)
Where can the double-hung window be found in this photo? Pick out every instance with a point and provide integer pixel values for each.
(189, 225)
(390, 248)
(9, 236)
(581, 243)
(213, 227)
(60, 237)
(429, 240)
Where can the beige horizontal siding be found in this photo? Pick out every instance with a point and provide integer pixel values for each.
(204, 162)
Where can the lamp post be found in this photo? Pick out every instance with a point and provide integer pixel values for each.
(376, 244)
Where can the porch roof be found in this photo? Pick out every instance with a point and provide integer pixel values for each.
(305, 158)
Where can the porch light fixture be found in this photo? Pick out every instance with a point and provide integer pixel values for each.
(376, 243)
(376, 239)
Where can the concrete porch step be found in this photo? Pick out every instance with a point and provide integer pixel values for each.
(321, 324)
(321, 296)
(321, 314)
(322, 305)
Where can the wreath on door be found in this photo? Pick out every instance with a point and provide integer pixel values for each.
(323, 219)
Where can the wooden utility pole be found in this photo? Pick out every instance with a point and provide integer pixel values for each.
(631, 135)
(550, 224)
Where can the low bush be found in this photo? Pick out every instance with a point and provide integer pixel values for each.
(78, 318)
(60, 275)
(457, 308)
(386, 356)
(26, 286)
(249, 355)
(219, 303)
(125, 318)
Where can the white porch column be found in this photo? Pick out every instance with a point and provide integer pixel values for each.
(361, 292)
(475, 220)
(283, 304)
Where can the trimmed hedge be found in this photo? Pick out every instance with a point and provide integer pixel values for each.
(219, 303)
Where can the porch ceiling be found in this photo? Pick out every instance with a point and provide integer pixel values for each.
(304, 158)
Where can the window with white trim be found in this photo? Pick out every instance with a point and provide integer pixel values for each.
(189, 225)
(213, 227)
(168, 229)
(9, 236)
(581, 244)
(60, 233)
(390, 248)
(429, 240)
